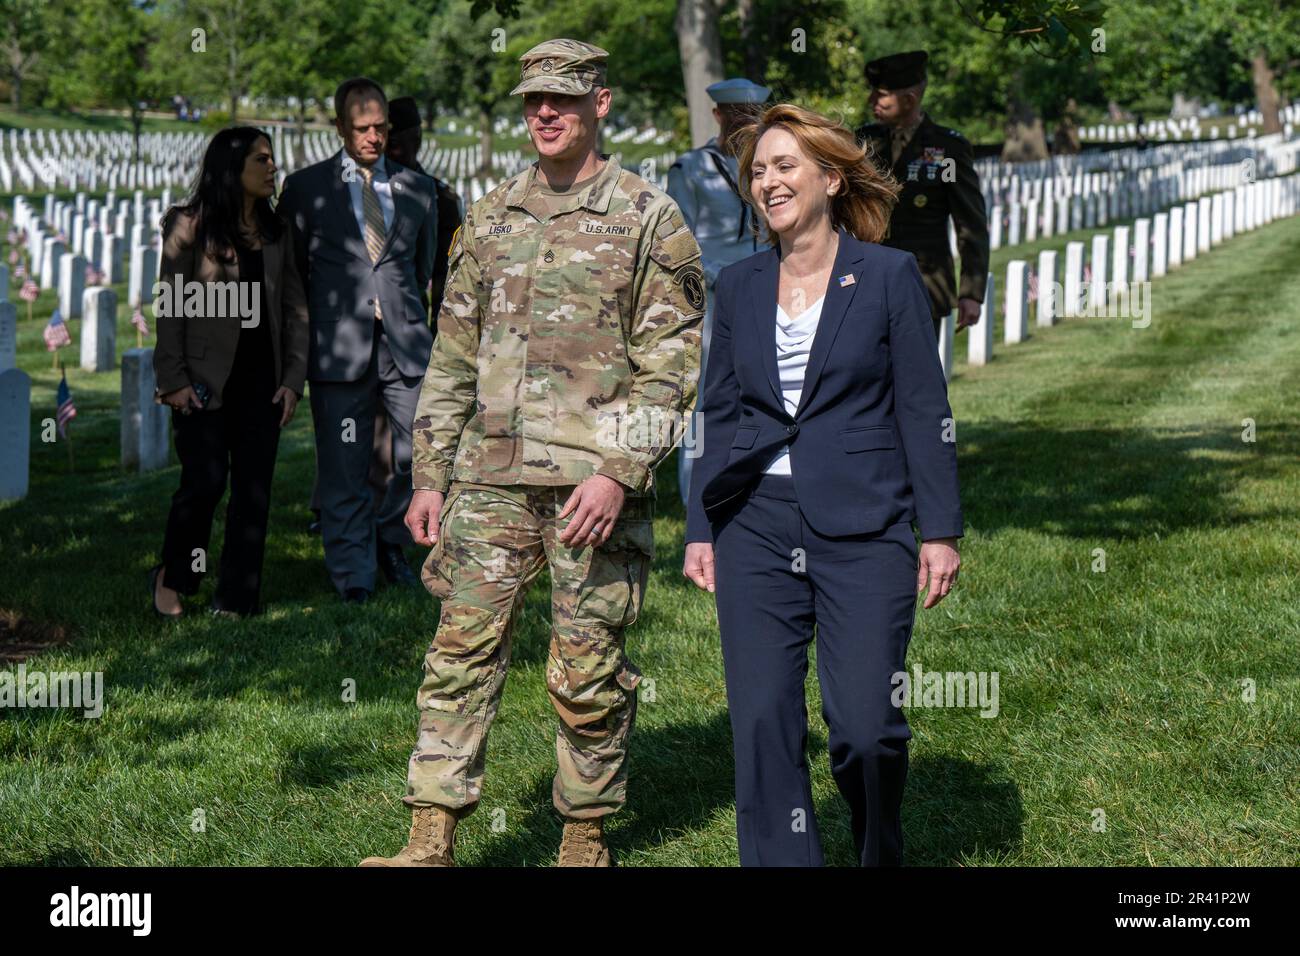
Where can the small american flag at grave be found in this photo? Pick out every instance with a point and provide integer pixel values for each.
(56, 333)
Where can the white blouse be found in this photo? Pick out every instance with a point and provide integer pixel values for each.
(794, 339)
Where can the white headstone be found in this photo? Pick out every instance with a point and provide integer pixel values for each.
(1189, 231)
(99, 330)
(52, 251)
(111, 261)
(4, 282)
(1016, 323)
(15, 433)
(72, 283)
(1047, 287)
(1175, 237)
(1097, 283)
(1073, 291)
(1203, 224)
(1119, 258)
(947, 329)
(979, 337)
(1141, 250)
(145, 434)
(144, 273)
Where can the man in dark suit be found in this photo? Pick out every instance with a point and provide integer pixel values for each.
(364, 236)
(404, 148)
(935, 166)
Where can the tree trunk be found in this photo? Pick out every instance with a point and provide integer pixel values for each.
(1266, 98)
(701, 54)
(16, 91)
(485, 140)
(755, 52)
(430, 108)
(1024, 139)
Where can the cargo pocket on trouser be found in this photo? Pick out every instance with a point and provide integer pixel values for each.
(438, 573)
(615, 585)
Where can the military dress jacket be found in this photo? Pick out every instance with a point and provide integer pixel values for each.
(937, 172)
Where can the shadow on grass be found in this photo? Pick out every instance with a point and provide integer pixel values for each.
(1117, 482)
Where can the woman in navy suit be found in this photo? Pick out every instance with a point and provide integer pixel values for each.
(826, 433)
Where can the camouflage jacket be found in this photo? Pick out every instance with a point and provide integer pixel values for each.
(568, 339)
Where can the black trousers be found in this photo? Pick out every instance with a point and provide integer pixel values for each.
(239, 440)
(778, 580)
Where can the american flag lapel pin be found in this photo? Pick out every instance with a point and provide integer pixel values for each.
(847, 280)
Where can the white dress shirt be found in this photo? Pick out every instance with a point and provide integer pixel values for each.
(794, 339)
(383, 189)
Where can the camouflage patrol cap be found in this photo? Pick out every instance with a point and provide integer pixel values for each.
(561, 66)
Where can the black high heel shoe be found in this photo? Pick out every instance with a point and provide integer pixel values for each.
(153, 593)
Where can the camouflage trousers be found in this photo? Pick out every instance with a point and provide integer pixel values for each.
(494, 542)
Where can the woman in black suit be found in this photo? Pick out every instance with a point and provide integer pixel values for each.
(232, 380)
(825, 433)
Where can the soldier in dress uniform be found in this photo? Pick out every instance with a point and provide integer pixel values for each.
(566, 359)
(704, 183)
(935, 165)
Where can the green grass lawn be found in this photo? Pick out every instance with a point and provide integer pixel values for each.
(1120, 691)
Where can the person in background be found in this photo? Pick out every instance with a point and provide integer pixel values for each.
(231, 387)
(936, 167)
(365, 230)
(704, 183)
(404, 147)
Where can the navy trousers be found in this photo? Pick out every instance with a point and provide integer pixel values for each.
(778, 581)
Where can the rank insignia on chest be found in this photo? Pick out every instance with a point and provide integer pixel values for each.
(914, 170)
(920, 200)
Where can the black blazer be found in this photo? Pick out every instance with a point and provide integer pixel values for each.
(868, 443)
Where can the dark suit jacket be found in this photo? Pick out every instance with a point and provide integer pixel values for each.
(202, 349)
(341, 281)
(919, 222)
(867, 444)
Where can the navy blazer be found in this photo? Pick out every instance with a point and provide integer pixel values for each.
(872, 442)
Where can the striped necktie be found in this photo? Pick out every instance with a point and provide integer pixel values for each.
(374, 216)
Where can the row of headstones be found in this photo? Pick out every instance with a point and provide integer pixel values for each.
(98, 310)
(47, 173)
(144, 430)
(1089, 172)
(1028, 221)
(1185, 173)
(1111, 132)
(1159, 244)
(92, 244)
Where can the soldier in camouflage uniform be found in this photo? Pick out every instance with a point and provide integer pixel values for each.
(566, 358)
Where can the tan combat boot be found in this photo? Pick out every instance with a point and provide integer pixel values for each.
(584, 844)
(433, 833)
